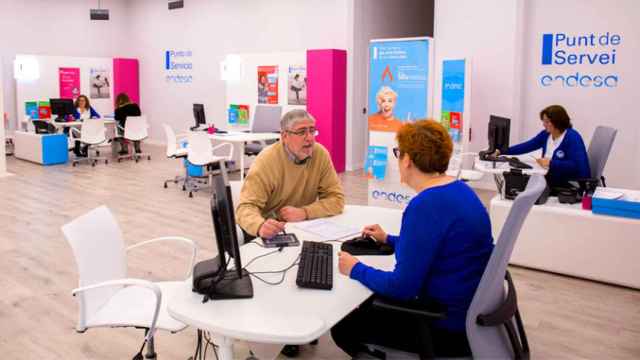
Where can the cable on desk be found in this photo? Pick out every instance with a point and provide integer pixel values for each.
(283, 271)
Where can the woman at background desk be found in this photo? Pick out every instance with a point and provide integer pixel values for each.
(125, 108)
(441, 253)
(84, 111)
(563, 151)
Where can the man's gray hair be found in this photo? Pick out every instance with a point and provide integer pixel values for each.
(293, 116)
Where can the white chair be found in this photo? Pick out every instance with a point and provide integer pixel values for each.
(174, 151)
(200, 152)
(135, 129)
(107, 297)
(92, 133)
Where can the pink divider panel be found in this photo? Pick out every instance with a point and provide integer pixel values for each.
(327, 100)
(126, 79)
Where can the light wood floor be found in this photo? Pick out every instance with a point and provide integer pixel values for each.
(564, 317)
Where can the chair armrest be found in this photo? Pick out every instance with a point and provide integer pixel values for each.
(131, 282)
(412, 307)
(194, 247)
(220, 146)
(74, 131)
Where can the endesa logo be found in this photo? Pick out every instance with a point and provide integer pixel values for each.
(178, 61)
(393, 197)
(566, 51)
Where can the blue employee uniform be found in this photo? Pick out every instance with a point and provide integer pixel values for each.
(94, 114)
(568, 162)
(444, 245)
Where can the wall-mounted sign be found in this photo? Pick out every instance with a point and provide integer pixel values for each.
(178, 65)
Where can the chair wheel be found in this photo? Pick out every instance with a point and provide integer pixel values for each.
(149, 157)
(184, 188)
(165, 185)
(190, 194)
(106, 162)
(73, 164)
(98, 153)
(119, 160)
(137, 160)
(93, 164)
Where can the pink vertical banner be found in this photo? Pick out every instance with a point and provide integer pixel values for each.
(69, 79)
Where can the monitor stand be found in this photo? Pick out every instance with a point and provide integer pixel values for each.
(229, 286)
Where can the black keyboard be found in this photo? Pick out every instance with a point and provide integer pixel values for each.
(315, 269)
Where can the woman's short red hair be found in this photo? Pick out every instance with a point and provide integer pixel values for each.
(428, 145)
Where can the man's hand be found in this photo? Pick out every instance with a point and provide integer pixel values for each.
(346, 262)
(292, 214)
(376, 232)
(544, 162)
(270, 228)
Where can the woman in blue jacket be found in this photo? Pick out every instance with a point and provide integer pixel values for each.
(563, 151)
(441, 253)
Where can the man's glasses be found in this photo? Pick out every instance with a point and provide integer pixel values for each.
(396, 152)
(304, 131)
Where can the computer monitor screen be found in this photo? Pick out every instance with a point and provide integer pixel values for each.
(224, 223)
(227, 285)
(198, 114)
(61, 107)
(266, 118)
(498, 133)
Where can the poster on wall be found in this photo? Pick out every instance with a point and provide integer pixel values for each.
(453, 99)
(267, 84)
(297, 85)
(99, 83)
(398, 83)
(44, 110)
(69, 80)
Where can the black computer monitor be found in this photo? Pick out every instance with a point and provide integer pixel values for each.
(498, 134)
(198, 114)
(62, 108)
(226, 284)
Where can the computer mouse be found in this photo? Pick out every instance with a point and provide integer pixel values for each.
(365, 242)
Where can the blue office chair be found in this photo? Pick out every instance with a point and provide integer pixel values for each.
(494, 326)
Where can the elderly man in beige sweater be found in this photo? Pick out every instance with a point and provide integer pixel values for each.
(291, 180)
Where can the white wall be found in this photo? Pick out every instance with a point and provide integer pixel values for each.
(245, 91)
(588, 107)
(376, 19)
(48, 85)
(60, 27)
(485, 32)
(3, 159)
(213, 29)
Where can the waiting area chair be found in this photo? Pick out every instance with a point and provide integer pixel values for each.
(200, 152)
(135, 129)
(599, 150)
(175, 151)
(92, 134)
(494, 325)
(107, 297)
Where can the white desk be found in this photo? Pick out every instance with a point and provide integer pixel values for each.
(497, 168)
(565, 239)
(66, 124)
(241, 138)
(285, 313)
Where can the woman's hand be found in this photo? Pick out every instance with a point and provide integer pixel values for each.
(544, 162)
(376, 232)
(346, 262)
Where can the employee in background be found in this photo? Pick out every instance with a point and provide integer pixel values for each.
(563, 151)
(125, 108)
(291, 180)
(83, 112)
(441, 253)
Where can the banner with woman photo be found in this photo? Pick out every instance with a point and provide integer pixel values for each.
(400, 91)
